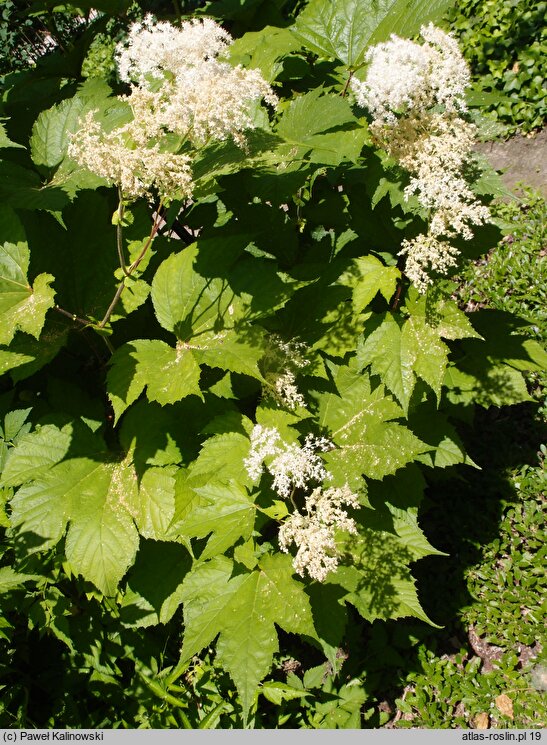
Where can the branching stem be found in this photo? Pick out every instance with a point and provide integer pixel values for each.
(133, 266)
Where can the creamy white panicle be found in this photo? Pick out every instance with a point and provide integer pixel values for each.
(263, 443)
(290, 465)
(287, 393)
(178, 87)
(155, 48)
(201, 97)
(296, 467)
(415, 94)
(136, 170)
(314, 532)
(404, 76)
(283, 362)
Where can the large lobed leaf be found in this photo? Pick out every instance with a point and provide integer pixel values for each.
(242, 609)
(344, 29)
(22, 306)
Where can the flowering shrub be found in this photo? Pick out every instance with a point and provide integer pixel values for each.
(229, 351)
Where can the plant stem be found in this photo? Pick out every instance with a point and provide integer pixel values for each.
(133, 266)
(346, 86)
(73, 316)
(119, 233)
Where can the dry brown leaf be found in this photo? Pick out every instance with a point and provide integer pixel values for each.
(481, 721)
(504, 705)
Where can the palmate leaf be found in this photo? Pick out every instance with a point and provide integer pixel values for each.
(343, 29)
(376, 576)
(368, 276)
(262, 49)
(154, 589)
(188, 304)
(35, 453)
(323, 124)
(10, 579)
(52, 130)
(168, 374)
(21, 306)
(375, 565)
(225, 511)
(243, 609)
(94, 498)
(26, 354)
(359, 422)
(5, 140)
(400, 354)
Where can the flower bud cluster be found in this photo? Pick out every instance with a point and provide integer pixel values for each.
(178, 88)
(416, 94)
(294, 467)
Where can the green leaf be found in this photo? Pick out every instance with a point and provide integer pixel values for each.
(168, 374)
(21, 306)
(193, 307)
(10, 579)
(382, 351)
(95, 497)
(486, 382)
(343, 29)
(23, 188)
(237, 351)
(312, 114)
(102, 540)
(42, 508)
(262, 50)
(401, 354)
(368, 277)
(376, 574)
(358, 421)
(26, 354)
(422, 349)
(35, 453)
(222, 455)
(226, 511)
(5, 140)
(316, 122)
(52, 130)
(279, 692)
(243, 609)
(154, 504)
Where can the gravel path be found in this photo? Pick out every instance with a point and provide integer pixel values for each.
(522, 159)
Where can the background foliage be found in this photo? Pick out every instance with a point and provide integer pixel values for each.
(505, 43)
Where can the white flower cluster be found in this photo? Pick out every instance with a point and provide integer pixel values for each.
(178, 87)
(153, 49)
(291, 466)
(135, 169)
(405, 77)
(284, 361)
(294, 467)
(314, 532)
(416, 93)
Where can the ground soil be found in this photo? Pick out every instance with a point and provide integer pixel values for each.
(521, 159)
